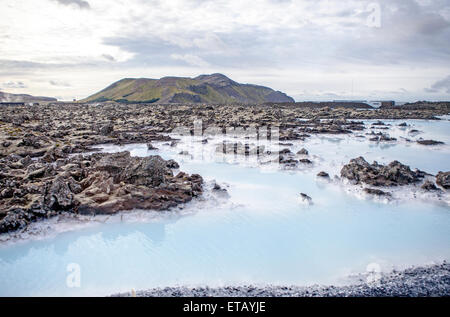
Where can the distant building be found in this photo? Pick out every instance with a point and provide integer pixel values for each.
(381, 103)
(389, 103)
(351, 101)
(375, 104)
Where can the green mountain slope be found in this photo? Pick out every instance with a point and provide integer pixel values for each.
(215, 88)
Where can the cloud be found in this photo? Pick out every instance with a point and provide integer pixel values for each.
(20, 67)
(12, 84)
(58, 83)
(190, 59)
(291, 45)
(109, 57)
(440, 85)
(80, 3)
(295, 33)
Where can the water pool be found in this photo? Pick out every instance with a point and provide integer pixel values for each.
(261, 234)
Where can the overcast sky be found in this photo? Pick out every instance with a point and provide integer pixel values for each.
(310, 49)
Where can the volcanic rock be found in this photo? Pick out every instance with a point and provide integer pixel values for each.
(429, 142)
(376, 192)
(443, 179)
(323, 174)
(393, 174)
(98, 183)
(428, 185)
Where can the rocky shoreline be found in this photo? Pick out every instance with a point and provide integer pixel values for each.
(425, 281)
(100, 183)
(43, 171)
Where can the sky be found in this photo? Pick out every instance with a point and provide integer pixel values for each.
(309, 49)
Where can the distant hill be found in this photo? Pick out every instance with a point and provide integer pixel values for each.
(215, 88)
(7, 97)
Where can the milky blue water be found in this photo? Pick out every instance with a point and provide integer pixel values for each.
(263, 233)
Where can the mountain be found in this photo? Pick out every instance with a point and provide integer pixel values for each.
(215, 88)
(7, 97)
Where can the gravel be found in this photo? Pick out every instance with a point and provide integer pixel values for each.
(426, 281)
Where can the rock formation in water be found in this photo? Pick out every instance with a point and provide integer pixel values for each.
(38, 179)
(429, 142)
(100, 183)
(443, 179)
(393, 174)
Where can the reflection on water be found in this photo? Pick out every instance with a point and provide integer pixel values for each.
(262, 234)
